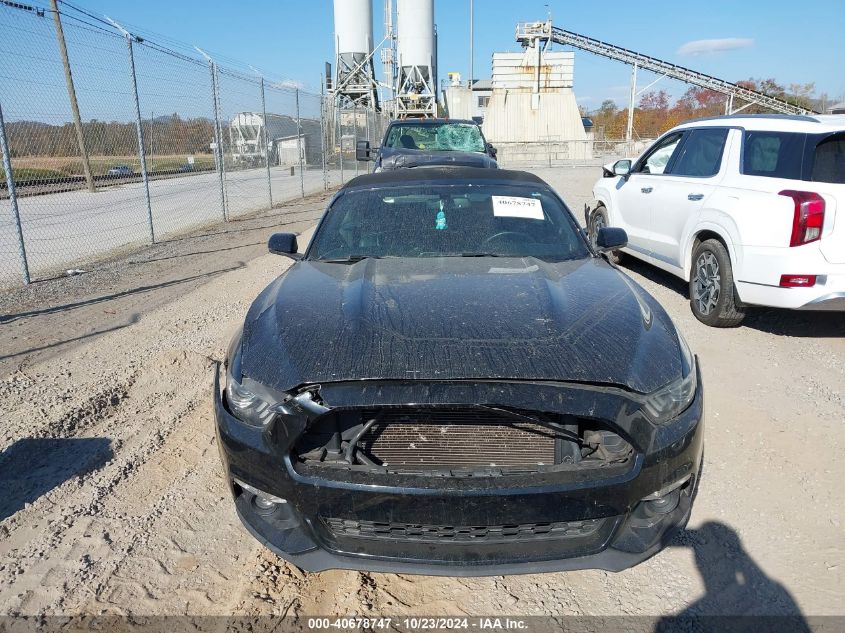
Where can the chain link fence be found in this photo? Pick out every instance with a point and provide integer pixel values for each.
(567, 153)
(166, 142)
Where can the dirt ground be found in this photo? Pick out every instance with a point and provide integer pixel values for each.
(114, 502)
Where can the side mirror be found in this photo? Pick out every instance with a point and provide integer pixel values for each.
(492, 150)
(610, 238)
(362, 151)
(622, 167)
(284, 244)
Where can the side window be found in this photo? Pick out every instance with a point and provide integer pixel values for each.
(701, 154)
(829, 160)
(773, 154)
(659, 156)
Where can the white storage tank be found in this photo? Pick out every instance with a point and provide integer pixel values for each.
(416, 86)
(415, 32)
(353, 27)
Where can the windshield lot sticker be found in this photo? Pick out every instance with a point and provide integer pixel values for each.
(513, 207)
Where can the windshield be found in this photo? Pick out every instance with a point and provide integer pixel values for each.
(449, 137)
(448, 221)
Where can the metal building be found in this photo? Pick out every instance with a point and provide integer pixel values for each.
(416, 84)
(355, 80)
(284, 141)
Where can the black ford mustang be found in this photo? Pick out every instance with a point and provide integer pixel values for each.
(450, 381)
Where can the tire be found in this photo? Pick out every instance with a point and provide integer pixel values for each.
(599, 219)
(711, 286)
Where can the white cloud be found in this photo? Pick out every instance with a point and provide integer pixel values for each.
(290, 83)
(712, 47)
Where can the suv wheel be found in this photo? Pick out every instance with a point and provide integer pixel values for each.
(598, 220)
(711, 286)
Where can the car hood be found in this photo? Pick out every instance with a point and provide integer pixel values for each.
(404, 158)
(458, 319)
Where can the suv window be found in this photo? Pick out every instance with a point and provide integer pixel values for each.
(658, 158)
(829, 162)
(701, 153)
(773, 154)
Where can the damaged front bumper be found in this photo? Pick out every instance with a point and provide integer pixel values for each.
(556, 520)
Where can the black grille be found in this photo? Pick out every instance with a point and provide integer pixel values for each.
(462, 533)
(463, 438)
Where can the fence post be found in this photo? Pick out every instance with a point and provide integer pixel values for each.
(221, 172)
(266, 141)
(355, 134)
(338, 113)
(140, 131)
(13, 197)
(367, 112)
(299, 146)
(323, 133)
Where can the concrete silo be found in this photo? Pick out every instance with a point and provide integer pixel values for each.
(354, 82)
(416, 84)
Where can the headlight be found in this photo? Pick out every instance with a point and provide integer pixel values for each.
(667, 402)
(244, 405)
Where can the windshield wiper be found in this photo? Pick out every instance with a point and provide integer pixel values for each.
(481, 255)
(351, 259)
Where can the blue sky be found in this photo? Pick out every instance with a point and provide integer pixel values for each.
(291, 39)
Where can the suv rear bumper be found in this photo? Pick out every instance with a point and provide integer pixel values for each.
(824, 296)
(758, 278)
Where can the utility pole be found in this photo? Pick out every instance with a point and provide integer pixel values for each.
(71, 93)
(629, 132)
(471, 43)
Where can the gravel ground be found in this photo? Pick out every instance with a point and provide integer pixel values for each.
(114, 500)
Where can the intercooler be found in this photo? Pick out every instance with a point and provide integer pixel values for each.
(456, 438)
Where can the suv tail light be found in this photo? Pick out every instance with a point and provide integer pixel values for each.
(797, 281)
(808, 220)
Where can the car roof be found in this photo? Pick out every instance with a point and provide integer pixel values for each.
(431, 121)
(444, 175)
(811, 124)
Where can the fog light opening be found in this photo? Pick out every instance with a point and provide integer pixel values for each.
(664, 505)
(265, 505)
(262, 502)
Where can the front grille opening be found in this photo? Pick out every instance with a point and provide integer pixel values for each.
(461, 533)
(458, 441)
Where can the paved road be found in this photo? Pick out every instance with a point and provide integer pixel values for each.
(69, 229)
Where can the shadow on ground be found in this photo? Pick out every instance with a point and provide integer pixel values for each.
(771, 320)
(739, 596)
(32, 467)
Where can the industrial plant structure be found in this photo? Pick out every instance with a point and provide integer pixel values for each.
(408, 54)
(416, 84)
(355, 80)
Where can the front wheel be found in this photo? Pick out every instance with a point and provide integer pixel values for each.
(711, 286)
(598, 220)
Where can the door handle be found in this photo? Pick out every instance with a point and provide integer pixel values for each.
(695, 196)
(647, 189)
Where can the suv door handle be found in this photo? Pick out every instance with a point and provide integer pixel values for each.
(695, 196)
(647, 189)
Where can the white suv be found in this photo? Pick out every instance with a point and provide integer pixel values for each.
(749, 209)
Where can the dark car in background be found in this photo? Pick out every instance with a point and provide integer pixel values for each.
(428, 143)
(451, 380)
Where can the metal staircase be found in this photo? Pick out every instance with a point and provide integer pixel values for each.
(530, 31)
